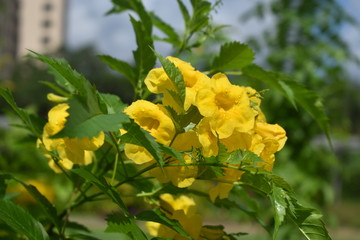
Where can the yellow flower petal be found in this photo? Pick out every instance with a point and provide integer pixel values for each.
(152, 118)
(138, 154)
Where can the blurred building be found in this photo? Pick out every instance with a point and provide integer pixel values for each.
(31, 24)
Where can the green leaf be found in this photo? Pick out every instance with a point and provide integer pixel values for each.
(144, 56)
(85, 91)
(21, 221)
(258, 182)
(136, 135)
(172, 36)
(175, 76)
(60, 67)
(233, 55)
(294, 92)
(156, 215)
(30, 122)
(136, 6)
(122, 67)
(309, 223)
(112, 102)
(184, 12)
(171, 152)
(200, 15)
(279, 203)
(93, 126)
(101, 183)
(60, 79)
(251, 162)
(84, 123)
(48, 208)
(122, 224)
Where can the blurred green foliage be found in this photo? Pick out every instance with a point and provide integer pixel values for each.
(305, 42)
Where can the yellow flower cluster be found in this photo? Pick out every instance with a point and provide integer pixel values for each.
(69, 151)
(231, 116)
(183, 209)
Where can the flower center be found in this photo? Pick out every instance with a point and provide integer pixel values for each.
(149, 123)
(224, 101)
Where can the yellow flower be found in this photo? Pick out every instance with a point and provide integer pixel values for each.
(153, 118)
(70, 150)
(157, 81)
(182, 209)
(138, 154)
(222, 189)
(209, 142)
(268, 139)
(180, 176)
(227, 105)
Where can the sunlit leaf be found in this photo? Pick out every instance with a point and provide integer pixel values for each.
(233, 56)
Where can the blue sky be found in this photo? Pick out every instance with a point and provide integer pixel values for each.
(113, 35)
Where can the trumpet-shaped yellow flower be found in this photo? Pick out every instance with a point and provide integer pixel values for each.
(227, 106)
(153, 118)
(267, 140)
(70, 150)
(157, 81)
(182, 209)
(209, 142)
(138, 154)
(183, 175)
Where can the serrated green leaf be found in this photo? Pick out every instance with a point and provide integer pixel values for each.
(84, 90)
(294, 92)
(233, 56)
(81, 122)
(21, 221)
(172, 36)
(60, 79)
(279, 203)
(258, 182)
(309, 223)
(122, 224)
(136, 135)
(101, 183)
(60, 67)
(26, 118)
(122, 67)
(156, 215)
(93, 126)
(176, 77)
(171, 152)
(112, 102)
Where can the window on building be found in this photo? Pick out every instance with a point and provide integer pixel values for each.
(46, 23)
(45, 40)
(48, 7)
